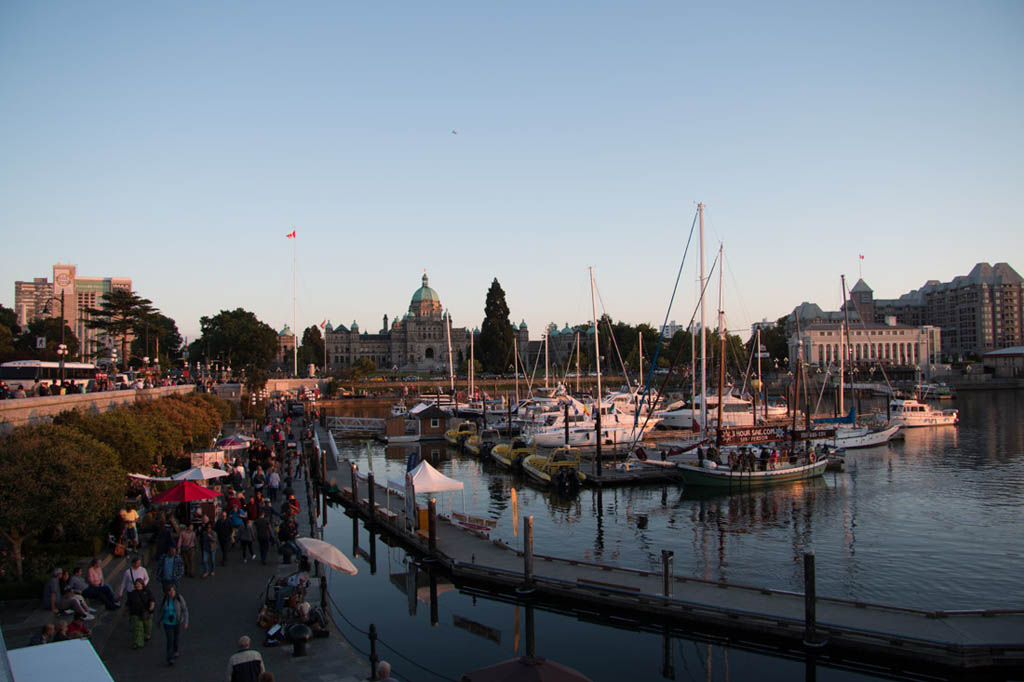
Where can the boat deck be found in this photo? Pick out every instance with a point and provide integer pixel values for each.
(880, 634)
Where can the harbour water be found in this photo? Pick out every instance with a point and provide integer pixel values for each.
(933, 521)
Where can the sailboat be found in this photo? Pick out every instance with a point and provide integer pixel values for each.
(746, 468)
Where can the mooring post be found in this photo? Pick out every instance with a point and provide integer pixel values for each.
(369, 487)
(432, 527)
(355, 482)
(373, 652)
(666, 568)
(527, 585)
(567, 425)
(811, 638)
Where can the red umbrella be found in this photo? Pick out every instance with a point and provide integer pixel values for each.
(186, 491)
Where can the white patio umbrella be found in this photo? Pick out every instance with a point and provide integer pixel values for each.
(199, 473)
(328, 554)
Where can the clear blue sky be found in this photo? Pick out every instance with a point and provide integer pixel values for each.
(177, 144)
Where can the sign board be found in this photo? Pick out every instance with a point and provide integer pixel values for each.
(814, 434)
(762, 354)
(746, 435)
(40, 342)
(207, 458)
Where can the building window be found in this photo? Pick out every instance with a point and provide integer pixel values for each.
(434, 423)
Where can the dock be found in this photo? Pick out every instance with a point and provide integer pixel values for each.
(933, 642)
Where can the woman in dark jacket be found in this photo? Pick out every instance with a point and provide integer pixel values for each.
(140, 609)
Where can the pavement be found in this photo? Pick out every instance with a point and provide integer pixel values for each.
(222, 608)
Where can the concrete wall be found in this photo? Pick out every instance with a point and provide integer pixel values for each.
(294, 385)
(42, 410)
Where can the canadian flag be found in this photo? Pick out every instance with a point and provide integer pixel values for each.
(861, 256)
(291, 235)
(323, 324)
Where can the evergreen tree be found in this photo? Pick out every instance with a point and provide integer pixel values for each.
(122, 313)
(239, 338)
(496, 336)
(311, 352)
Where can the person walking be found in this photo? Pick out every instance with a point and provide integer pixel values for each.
(187, 549)
(264, 535)
(246, 534)
(224, 530)
(140, 610)
(174, 617)
(133, 573)
(245, 665)
(208, 550)
(171, 568)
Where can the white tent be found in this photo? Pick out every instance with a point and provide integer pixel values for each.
(427, 479)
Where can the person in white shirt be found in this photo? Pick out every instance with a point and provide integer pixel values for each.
(135, 571)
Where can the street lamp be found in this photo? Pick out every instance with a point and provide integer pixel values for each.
(62, 325)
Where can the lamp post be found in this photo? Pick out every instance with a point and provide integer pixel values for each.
(62, 325)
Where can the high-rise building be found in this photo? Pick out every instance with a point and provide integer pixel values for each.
(977, 313)
(42, 298)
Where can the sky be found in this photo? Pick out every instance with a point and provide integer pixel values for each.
(178, 143)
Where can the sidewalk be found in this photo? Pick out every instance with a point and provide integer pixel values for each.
(221, 609)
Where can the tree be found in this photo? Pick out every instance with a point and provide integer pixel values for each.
(122, 430)
(496, 336)
(121, 314)
(6, 340)
(363, 367)
(9, 319)
(159, 339)
(311, 352)
(242, 340)
(54, 476)
(48, 328)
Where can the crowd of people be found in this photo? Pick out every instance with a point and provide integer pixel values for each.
(257, 510)
(38, 389)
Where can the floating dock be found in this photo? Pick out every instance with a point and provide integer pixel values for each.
(932, 642)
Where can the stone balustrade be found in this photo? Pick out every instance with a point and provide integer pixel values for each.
(24, 411)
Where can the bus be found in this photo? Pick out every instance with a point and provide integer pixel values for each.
(29, 373)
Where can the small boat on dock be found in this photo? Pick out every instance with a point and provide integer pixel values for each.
(481, 443)
(560, 470)
(460, 433)
(511, 455)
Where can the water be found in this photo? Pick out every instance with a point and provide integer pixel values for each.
(930, 522)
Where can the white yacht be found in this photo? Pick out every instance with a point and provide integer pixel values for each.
(910, 413)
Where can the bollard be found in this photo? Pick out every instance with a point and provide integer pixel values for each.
(374, 660)
(527, 586)
(432, 527)
(369, 496)
(666, 567)
(811, 638)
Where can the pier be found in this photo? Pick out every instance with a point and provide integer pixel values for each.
(932, 642)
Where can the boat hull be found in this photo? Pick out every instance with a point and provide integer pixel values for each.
(725, 478)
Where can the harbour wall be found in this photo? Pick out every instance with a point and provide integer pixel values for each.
(41, 410)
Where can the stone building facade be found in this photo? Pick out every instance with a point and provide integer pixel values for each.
(418, 342)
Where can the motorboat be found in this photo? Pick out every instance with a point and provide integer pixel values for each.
(481, 443)
(910, 413)
(460, 433)
(559, 470)
(511, 455)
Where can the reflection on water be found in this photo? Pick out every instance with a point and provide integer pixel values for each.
(933, 521)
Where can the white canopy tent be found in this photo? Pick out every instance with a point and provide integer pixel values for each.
(426, 479)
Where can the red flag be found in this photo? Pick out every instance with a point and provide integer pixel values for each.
(861, 255)
(291, 235)
(323, 324)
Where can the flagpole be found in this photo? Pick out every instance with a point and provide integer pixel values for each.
(295, 329)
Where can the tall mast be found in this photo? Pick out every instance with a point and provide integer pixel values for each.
(546, 358)
(295, 326)
(843, 338)
(577, 361)
(448, 335)
(693, 378)
(721, 349)
(597, 344)
(703, 336)
(472, 362)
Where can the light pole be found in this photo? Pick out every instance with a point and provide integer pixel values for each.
(62, 325)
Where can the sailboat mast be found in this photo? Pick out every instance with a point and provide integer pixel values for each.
(703, 336)
(448, 335)
(577, 361)
(472, 361)
(597, 344)
(721, 349)
(693, 379)
(546, 358)
(843, 338)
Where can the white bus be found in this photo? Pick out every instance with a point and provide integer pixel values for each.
(29, 373)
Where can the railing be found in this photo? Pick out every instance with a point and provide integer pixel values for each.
(355, 424)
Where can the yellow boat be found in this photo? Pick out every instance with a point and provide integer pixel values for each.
(559, 470)
(511, 455)
(481, 444)
(461, 432)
